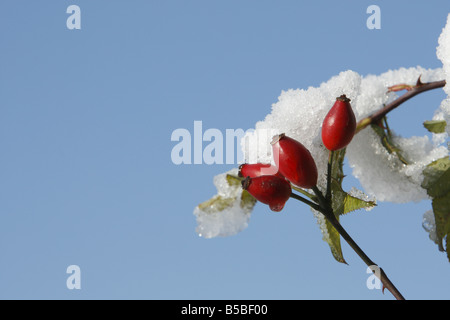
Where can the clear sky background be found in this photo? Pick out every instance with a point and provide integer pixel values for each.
(86, 176)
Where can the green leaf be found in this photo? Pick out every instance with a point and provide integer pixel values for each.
(352, 203)
(437, 177)
(441, 209)
(233, 181)
(338, 199)
(247, 200)
(435, 126)
(342, 203)
(437, 183)
(448, 247)
(333, 238)
(330, 234)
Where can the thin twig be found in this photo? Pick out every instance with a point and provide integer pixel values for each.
(382, 275)
(313, 205)
(305, 193)
(415, 90)
(326, 209)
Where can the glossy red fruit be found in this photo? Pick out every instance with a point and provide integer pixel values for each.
(294, 161)
(339, 125)
(258, 169)
(271, 190)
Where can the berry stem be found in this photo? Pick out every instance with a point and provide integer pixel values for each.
(324, 204)
(305, 193)
(329, 167)
(313, 205)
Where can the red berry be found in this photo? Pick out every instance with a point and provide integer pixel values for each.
(271, 190)
(258, 169)
(339, 125)
(294, 161)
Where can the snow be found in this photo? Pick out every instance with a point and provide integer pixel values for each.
(429, 224)
(227, 222)
(443, 53)
(381, 174)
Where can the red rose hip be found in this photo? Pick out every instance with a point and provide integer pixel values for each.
(258, 169)
(294, 161)
(339, 125)
(271, 190)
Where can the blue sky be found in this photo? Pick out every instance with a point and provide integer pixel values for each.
(86, 175)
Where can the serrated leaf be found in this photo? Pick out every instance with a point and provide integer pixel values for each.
(333, 239)
(437, 183)
(337, 173)
(338, 199)
(435, 126)
(342, 203)
(352, 203)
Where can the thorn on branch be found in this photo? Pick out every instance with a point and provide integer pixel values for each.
(419, 82)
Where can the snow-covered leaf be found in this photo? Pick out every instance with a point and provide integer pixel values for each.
(228, 212)
(216, 204)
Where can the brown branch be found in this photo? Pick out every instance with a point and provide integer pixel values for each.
(327, 211)
(374, 267)
(412, 91)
